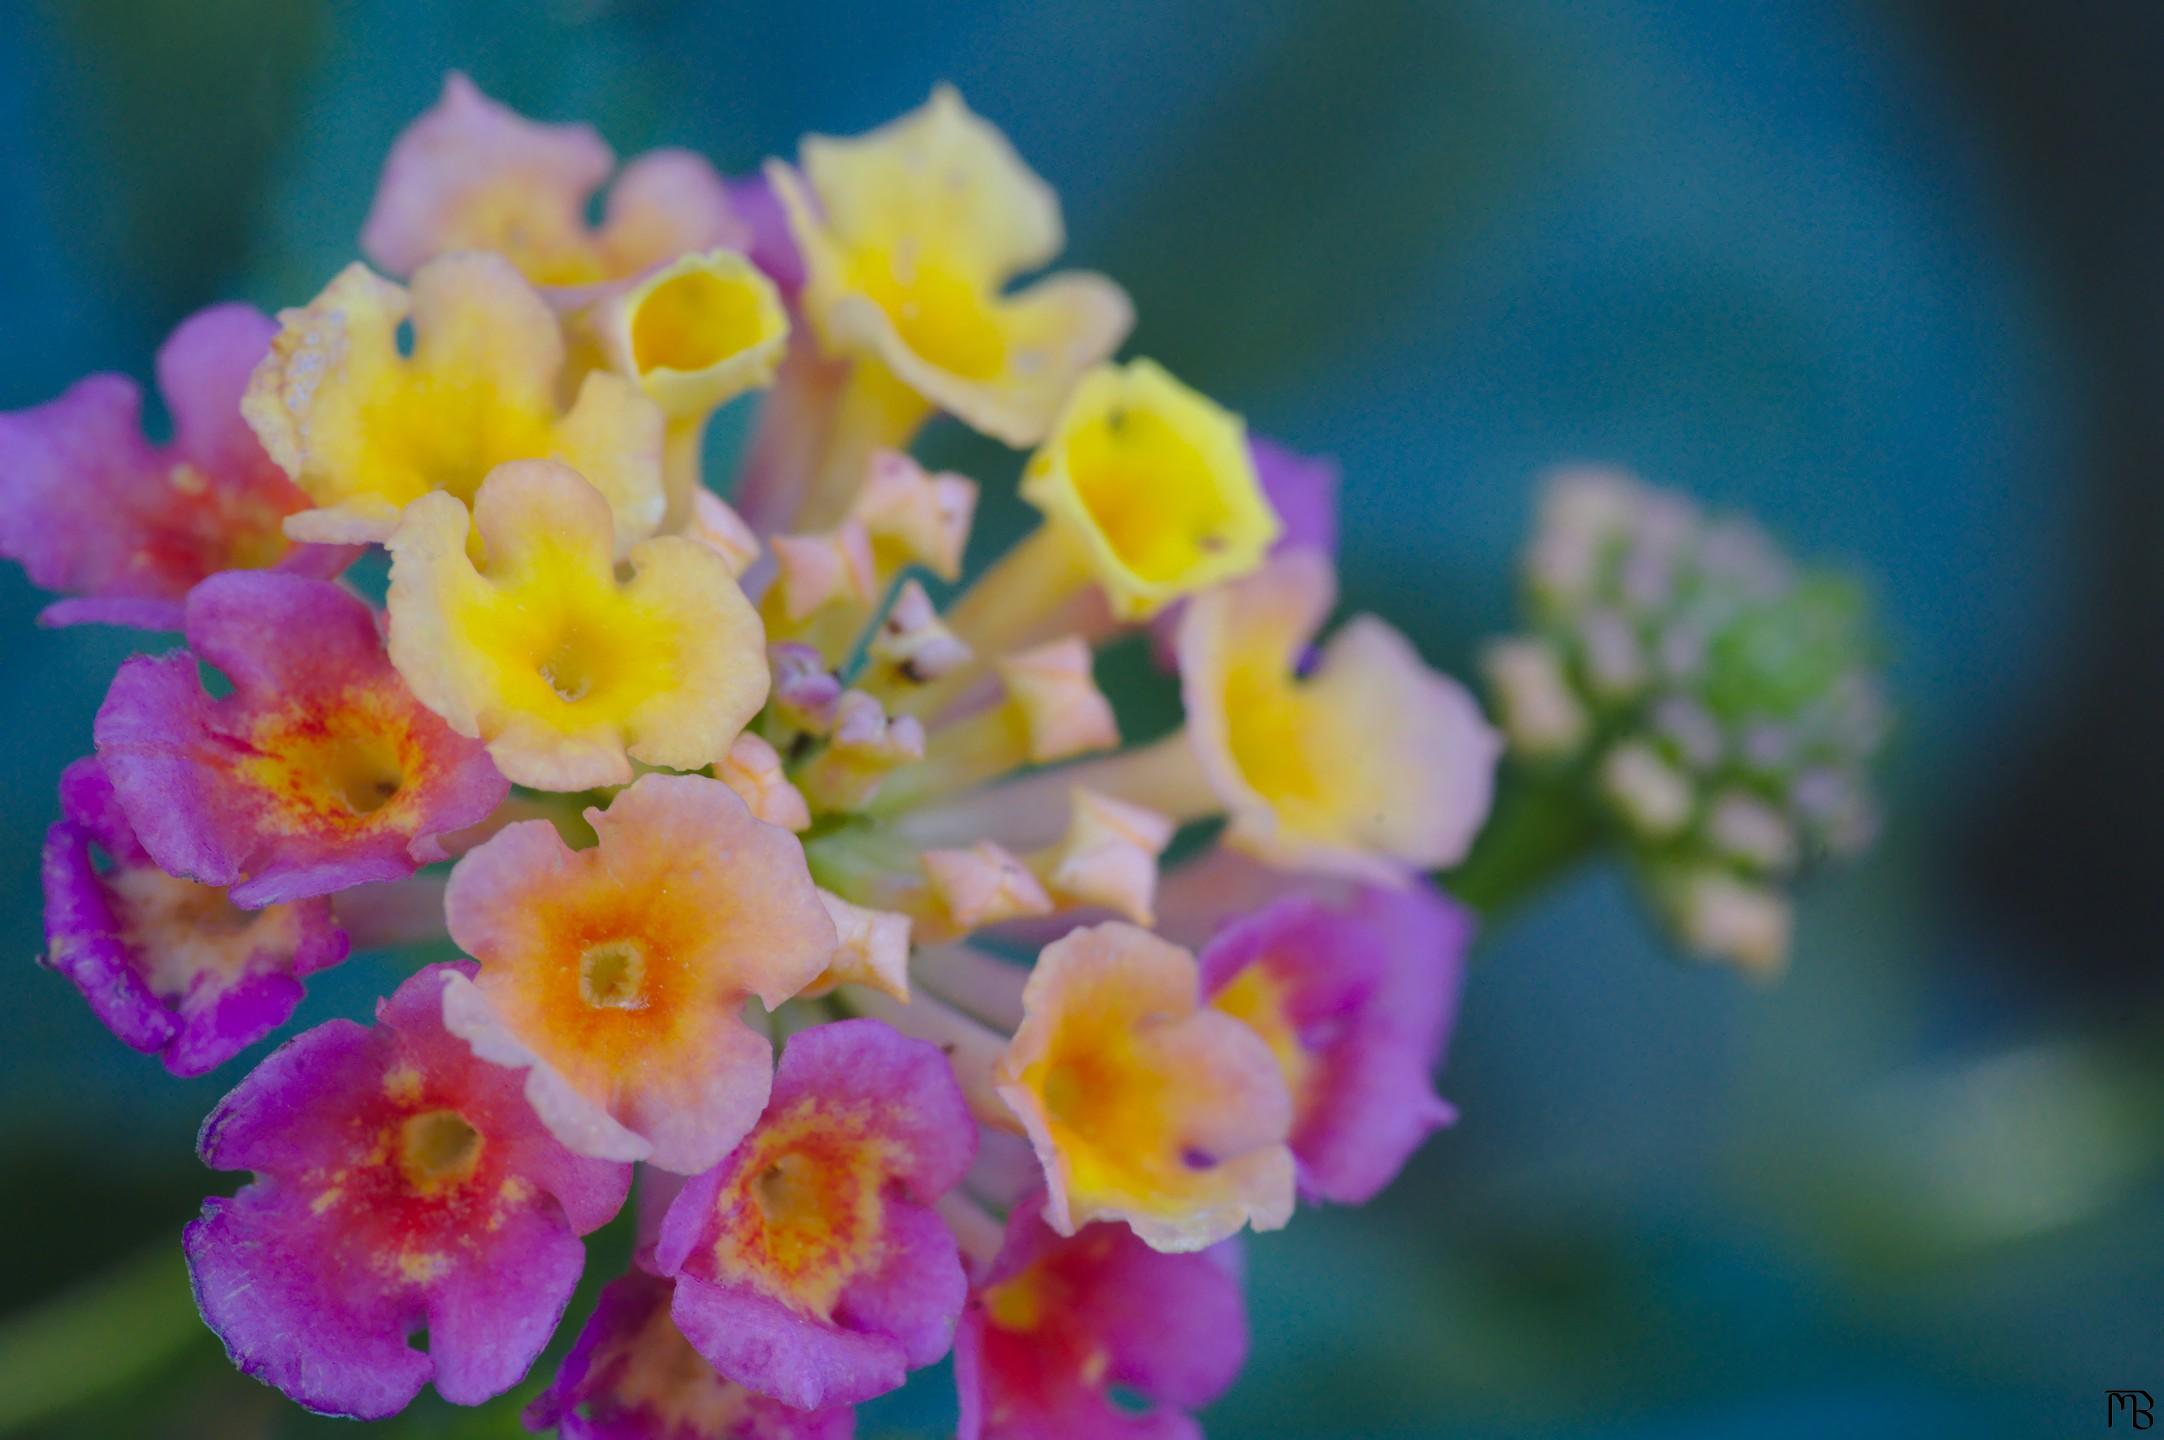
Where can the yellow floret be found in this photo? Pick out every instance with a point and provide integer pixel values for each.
(910, 234)
(566, 671)
(1155, 484)
(365, 430)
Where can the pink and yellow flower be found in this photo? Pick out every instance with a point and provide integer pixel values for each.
(318, 772)
(1356, 1001)
(567, 672)
(474, 174)
(617, 976)
(172, 967)
(366, 431)
(632, 1375)
(1367, 763)
(809, 1265)
(910, 236)
(90, 508)
(1059, 1322)
(400, 1184)
(1144, 1105)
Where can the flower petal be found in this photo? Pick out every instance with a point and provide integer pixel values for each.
(565, 671)
(319, 771)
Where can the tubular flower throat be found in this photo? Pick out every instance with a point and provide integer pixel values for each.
(1155, 485)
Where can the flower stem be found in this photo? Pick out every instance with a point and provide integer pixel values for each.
(984, 986)
(972, 1046)
(1007, 607)
(1032, 810)
(975, 1228)
(1541, 828)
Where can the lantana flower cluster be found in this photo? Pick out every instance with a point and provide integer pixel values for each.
(796, 878)
(802, 883)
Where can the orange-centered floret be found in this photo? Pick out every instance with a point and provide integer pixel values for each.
(618, 975)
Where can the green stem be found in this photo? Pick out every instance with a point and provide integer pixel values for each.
(1541, 828)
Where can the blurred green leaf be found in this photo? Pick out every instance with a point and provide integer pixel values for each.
(105, 1334)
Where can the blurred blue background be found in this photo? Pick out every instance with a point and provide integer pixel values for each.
(1886, 275)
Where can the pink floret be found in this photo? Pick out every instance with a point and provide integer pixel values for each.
(1057, 1323)
(92, 509)
(1369, 989)
(400, 1185)
(171, 967)
(318, 772)
(810, 1266)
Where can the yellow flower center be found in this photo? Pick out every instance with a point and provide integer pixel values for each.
(816, 1213)
(438, 1149)
(1076, 1092)
(612, 975)
(1155, 483)
(446, 429)
(1106, 1100)
(363, 773)
(341, 768)
(1151, 493)
(1017, 1305)
(572, 646)
(695, 320)
(788, 1193)
(574, 666)
(1274, 735)
(185, 931)
(941, 314)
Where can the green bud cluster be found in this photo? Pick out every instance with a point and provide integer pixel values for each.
(1722, 704)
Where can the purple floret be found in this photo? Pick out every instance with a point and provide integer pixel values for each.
(171, 967)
